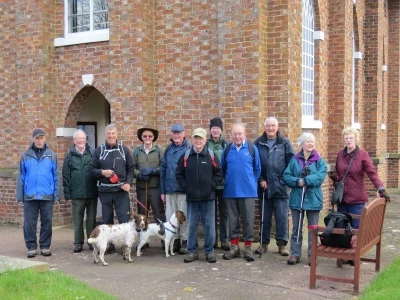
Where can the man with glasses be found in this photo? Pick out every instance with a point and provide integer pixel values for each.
(112, 166)
(80, 187)
(171, 193)
(147, 161)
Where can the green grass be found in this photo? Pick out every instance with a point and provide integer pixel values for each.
(386, 285)
(29, 284)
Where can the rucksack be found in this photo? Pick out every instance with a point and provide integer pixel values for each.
(187, 152)
(228, 147)
(137, 152)
(337, 220)
(104, 152)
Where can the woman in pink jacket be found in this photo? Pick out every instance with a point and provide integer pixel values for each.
(355, 192)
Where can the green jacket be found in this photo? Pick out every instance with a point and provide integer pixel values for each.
(152, 160)
(77, 181)
(218, 148)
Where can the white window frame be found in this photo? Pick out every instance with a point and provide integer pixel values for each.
(307, 74)
(84, 37)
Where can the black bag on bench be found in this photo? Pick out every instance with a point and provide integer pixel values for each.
(337, 220)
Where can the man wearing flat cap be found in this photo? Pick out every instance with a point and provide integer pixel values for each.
(171, 193)
(147, 160)
(37, 189)
(199, 173)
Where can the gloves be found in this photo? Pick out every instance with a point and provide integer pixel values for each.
(149, 171)
(383, 194)
(333, 175)
(142, 176)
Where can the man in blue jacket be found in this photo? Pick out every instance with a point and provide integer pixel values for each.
(171, 193)
(37, 189)
(241, 168)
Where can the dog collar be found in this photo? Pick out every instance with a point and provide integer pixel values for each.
(172, 225)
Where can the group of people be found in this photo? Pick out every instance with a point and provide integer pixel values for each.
(208, 179)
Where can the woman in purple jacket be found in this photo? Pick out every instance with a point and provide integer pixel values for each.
(355, 192)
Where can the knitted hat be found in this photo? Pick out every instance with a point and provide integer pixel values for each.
(216, 122)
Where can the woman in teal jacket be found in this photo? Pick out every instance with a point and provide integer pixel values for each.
(305, 174)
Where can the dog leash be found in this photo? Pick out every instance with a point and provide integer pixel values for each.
(141, 204)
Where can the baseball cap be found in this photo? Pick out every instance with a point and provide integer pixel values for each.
(200, 132)
(177, 128)
(38, 132)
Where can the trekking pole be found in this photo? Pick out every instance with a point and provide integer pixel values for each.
(147, 206)
(262, 223)
(301, 214)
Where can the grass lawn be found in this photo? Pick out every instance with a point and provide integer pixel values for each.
(386, 285)
(29, 284)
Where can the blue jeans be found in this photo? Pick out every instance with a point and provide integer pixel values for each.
(280, 209)
(354, 209)
(312, 219)
(206, 211)
(32, 209)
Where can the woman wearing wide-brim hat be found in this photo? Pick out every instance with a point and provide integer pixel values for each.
(147, 159)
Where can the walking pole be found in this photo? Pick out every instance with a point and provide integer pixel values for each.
(301, 213)
(262, 223)
(147, 206)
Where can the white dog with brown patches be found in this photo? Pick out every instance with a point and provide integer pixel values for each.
(121, 235)
(170, 228)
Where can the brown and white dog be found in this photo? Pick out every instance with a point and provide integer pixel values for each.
(170, 228)
(121, 235)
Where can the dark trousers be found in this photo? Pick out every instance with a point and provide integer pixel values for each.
(78, 213)
(151, 198)
(119, 201)
(221, 211)
(32, 209)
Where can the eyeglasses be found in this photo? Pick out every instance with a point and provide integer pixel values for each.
(147, 136)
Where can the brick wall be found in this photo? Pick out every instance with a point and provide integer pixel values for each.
(188, 61)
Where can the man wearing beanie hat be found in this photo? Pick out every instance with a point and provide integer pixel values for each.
(37, 189)
(217, 144)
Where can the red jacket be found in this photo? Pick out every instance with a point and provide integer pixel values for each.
(354, 185)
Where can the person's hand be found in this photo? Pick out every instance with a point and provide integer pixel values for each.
(263, 184)
(126, 187)
(107, 173)
(163, 197)
(383, 194)
(333, 175)
(147, 171)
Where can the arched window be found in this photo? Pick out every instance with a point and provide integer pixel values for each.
(307, 97)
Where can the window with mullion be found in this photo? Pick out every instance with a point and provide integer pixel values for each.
(308, 59)
(87, 15)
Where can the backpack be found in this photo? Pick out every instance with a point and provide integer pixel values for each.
(104, 152)
(187, 152)
(251, 149)
(337, 220)
(137, 152)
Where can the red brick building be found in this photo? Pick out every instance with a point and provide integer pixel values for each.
(315, 65)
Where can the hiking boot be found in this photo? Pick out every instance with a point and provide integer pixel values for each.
(225, 246)
(283, 251)
(110, 249)
(210, 257)
(293, 260)
(191, 258)
(45, 252)
(263, 248)
(233, 253)
(248, 254)
(183, 249)
(177, 245)
(32, 253)
(78, 248)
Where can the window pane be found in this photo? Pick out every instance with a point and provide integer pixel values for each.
(79, 15)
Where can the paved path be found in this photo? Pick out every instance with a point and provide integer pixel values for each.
(153, 276)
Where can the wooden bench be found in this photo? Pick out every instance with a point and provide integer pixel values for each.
(368, 235)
